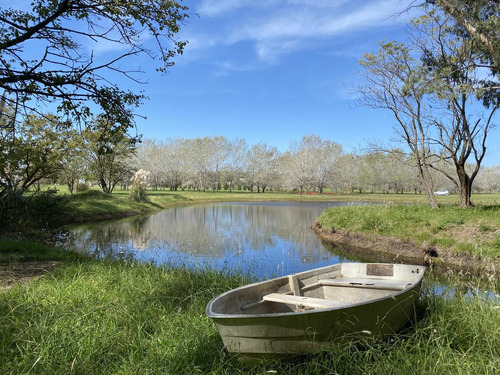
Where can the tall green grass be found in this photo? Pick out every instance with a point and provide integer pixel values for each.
(472, 231)
(108, 317)
(111, 317)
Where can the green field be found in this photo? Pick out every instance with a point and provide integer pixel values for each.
(94, 205)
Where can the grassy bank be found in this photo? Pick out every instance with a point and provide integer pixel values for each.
(472, 231)
(100, 317)
(93, 205)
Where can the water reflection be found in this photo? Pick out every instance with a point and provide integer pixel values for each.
(264, 239)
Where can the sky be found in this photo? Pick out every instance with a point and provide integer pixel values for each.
(272, 71)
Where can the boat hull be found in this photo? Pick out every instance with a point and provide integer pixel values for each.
(296, 332)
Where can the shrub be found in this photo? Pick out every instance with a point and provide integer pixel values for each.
(139, 184)
(81, 187)
(42, 209)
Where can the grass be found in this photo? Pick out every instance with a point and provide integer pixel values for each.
(94, 205)
(473, 231)
(110, 317)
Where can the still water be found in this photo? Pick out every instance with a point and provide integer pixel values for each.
(263, 239)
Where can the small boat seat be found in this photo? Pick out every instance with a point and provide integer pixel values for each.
(366, 283)
(302, 301)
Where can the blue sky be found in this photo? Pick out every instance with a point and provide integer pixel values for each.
(271, 71)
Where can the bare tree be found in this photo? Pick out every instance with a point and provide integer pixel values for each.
(310, 162)
(395, 81)
(148, 156)
(262, 166)
(237, 151)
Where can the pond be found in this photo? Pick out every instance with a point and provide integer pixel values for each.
(263, 239)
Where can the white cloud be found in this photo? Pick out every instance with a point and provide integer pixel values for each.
(270, 51)
(276, 28)
(217, 8)
(310, 23)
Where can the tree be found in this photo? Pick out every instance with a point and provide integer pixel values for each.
(149, 156)
(397, 82)
(480, 20)
(108, 154)
(310, 162)
(43, 52)
(237, 150)
(73, 163)
(346, 175)
(262, 166)
(372, 170)
(175, 164)
(31, 153)
(462, 125)
(431, 100)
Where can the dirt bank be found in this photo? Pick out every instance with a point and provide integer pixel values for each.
(396, 250)
(22, 272)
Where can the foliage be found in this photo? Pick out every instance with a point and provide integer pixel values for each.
(74, 164)
(40, 210)
(432, 84)
(31, 153)
(395, 81)
(479, 20)
(44, 52)
(108, 154)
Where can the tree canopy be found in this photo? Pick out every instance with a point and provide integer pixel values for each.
(443, 103)
(480, 20)
(47, 52)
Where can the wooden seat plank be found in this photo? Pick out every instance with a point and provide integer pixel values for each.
(302, 301)
(366, 283)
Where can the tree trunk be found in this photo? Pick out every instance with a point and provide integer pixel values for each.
(429, 187)
(465, 187)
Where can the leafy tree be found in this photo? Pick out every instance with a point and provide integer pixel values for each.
(73, 162)
(108, 154)
(44, 58)
(31, 153)
(435, 100)
(480, 20)
(462, 125)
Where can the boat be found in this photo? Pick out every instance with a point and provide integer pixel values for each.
(311, 311)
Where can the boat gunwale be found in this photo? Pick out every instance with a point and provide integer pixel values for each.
(215, 315)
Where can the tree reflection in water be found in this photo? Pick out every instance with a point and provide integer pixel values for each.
(263, 239)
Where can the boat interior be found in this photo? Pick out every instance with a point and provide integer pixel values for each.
(336, 286)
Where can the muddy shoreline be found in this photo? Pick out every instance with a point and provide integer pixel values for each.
(395, 250)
